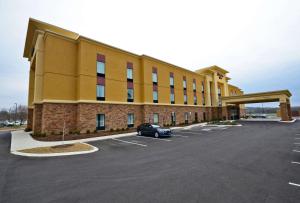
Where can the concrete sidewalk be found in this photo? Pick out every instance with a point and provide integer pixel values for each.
(22, 140)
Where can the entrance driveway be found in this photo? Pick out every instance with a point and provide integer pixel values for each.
(252, 163)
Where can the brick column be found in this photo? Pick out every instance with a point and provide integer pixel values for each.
(225, 112)
(289, 111)
(284, 111)
(238, 111)
(30, 118)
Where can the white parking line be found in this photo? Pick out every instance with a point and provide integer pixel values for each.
(180, 136)
(191, 132)
(206, 129)
(297, 138)
(297, 143)
(129, 142)
(162, 139)
(297, 134)
(294, 184)
(296, 150)
(294, 162)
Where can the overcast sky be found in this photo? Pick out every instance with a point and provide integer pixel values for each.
(257, 41)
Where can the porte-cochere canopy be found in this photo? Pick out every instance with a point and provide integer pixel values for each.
(281, 96)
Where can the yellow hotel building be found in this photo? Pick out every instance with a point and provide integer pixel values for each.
(89, 85)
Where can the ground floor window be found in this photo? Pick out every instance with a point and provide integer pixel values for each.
(100, 122)
(155, 118)
(130, 120)
(173, 118)
(196, 117)
(186, 118)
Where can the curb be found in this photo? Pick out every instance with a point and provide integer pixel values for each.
(292, 121)
(55, 154)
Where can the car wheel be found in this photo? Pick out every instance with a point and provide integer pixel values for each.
(139, 133)
(156, 135)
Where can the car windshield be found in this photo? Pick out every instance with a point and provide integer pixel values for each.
(155, 126)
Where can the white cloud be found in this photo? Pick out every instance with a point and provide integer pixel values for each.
(253, 39)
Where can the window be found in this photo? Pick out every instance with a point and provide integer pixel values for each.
(184, 84)
(194, 85)
(203, 94)
(173, 118)
(155, 96)
(185, 98)
(196, 117)
(100, 122)
(172, 98)
(154, 77)
(195, 100)
(100, 68)
(100, 88)
(129, 73)
(186, 118)
(155, 118)
(172, 95)
(130, 95)
(202, 87)
(100, 92)
(171, 79)
(130, 120)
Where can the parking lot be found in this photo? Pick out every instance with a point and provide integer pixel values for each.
(258, 162)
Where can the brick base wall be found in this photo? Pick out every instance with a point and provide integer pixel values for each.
(30, 118)
(49, 117)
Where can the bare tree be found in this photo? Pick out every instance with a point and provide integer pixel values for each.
(4, 114)
(22, 113)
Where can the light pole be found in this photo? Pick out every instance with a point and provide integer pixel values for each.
(16, 112)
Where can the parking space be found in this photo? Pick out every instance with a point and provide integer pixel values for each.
(148, 141)
(252, 163)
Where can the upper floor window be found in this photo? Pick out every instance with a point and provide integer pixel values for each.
(100, 92)
(184, 82)
(172, 79)
(202, 87)
(155, 96)
(100, 64)
(185, 97)
(154, 75)
(194, 85)
(195, 100)
(219, 91)
(172, 96)
(130, 96)
(129, 71)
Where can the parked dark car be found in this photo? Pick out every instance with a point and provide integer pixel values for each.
(148, 129)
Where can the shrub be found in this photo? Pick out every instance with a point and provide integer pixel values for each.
(52, 133)
(27, 129)
(111, 130)
(77, 132)
(88, 132)
(123, 129)
(95, 131)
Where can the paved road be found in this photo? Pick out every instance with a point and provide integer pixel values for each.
(237, 164)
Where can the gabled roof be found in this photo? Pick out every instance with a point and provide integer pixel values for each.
(34, 25)
(212, 68)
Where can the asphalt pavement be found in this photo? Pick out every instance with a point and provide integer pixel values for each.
(252, 163)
